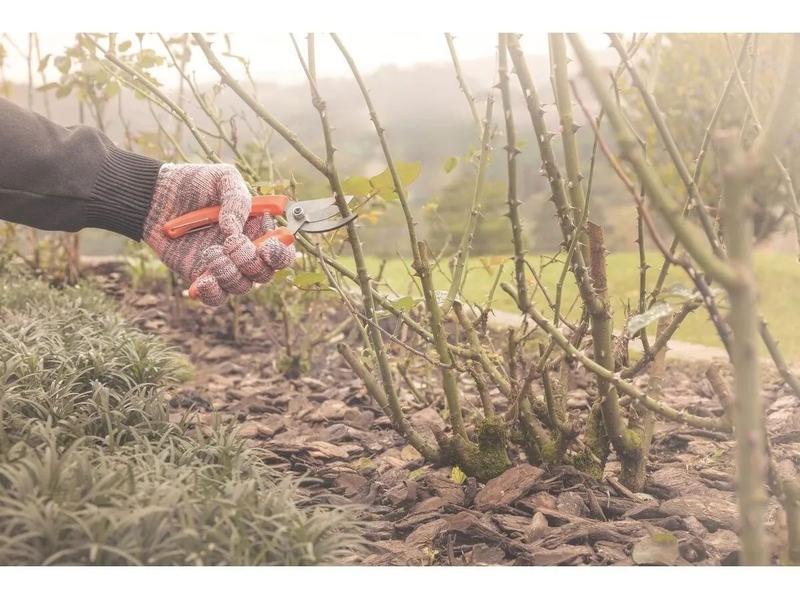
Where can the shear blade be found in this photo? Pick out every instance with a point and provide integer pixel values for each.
(322, 214)
(324, 226)
(314, 208)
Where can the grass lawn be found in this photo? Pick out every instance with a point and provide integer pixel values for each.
(778, 276)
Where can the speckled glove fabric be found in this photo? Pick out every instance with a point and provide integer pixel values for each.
(222, 259)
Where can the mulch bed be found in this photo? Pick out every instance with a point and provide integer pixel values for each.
(326, 427)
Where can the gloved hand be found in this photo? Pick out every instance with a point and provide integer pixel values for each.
(222, 259)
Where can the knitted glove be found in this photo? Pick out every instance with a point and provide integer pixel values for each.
(220, 260)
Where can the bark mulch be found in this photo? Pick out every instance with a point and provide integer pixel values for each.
(325, 426)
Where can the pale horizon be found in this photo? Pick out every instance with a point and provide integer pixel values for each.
(273, 57)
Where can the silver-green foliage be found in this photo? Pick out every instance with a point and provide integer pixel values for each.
(92, 471)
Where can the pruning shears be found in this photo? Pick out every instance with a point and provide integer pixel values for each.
(309, 216)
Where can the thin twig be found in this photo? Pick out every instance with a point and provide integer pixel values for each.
(288, 135)
(660, 122)
(692, 237)
(421, 257)
(715, 424)
(462, 84)
(511, 156)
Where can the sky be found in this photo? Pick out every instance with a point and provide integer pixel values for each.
(273, 57)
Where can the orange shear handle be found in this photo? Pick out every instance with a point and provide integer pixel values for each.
(282, 234)
(205, 217)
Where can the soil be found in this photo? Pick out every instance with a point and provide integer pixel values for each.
(325, 426)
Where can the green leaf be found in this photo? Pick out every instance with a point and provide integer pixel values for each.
(91, 67)
(43, 62)
(63, 90)
(404, 304)
(47, 86)
(364, 464)
(450, 164)
(370, 216)
(418, 473)
(123, 47)
(101, 77)
(309, 279)
(356, 186)
(640, 321)
(148, 58)
(491, 262)
(281, 275)
(410, 454)
(383, 184)
(658, 549)
(111, 89)
(63, 63)
(408, 171)
(677, 291)
(457, 475)
(74, 51)
(275, 187)
(441, 297)
(430, 208)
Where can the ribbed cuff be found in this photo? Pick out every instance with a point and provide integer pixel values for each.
(122, 193)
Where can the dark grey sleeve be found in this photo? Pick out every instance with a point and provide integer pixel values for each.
(64, 179)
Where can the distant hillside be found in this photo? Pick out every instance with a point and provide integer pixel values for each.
(422, 109)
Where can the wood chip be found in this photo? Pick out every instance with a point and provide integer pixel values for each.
(514, 525)
(572, 503)
(537, 528)
(712, 510)
(446, 489)
(331, 409)
(431, 504)
(323, 450)
(424, 534)
(485, 555)
(725, 544)
(508, 487)
(569, 554)
(220, 352)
